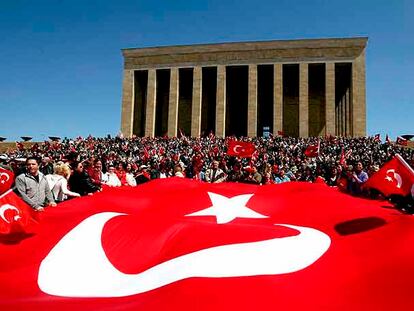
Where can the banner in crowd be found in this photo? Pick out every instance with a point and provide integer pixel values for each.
(240, 149)
(394, 177)
(178, 244)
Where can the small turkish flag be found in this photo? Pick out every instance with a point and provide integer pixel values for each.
(240, 149)
(312, 151)
(394, 177)
(15, 214)
(401, 141)
(6, 180)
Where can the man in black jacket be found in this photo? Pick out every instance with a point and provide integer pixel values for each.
(80, 181)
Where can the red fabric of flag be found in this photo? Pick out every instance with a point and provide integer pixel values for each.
(15, 214)
(312, 151)
(240, 149)
(394, 177)
(6, 180)
(176, 244)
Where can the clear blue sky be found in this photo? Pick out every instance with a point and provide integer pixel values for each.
(61, 61)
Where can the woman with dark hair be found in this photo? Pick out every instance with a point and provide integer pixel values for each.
(80, 181)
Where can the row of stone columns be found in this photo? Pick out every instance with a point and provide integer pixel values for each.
(356, 113)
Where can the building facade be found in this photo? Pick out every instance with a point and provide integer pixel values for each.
(311, 87)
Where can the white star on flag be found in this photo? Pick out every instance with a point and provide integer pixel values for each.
(226, 209)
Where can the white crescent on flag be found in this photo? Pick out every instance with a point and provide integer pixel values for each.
(395, 176)
(2, 180)
(6, 207)
(236, 149)
(78, 267)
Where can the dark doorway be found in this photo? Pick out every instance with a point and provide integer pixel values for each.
(140, 101)
(316, 78)
(185, 100)
(291, 100)
(208, 100)
(264, 98)
(163, 94)
(236, 100)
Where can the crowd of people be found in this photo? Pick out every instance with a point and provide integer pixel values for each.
(82, 166)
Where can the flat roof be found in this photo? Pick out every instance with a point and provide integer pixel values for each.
(360, 42)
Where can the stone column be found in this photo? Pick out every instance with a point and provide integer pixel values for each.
(348, 116)
(278, 99)
(330, 98)
(173, 103)
(252, 103)
(127, 115)
(221, 101)
(151, 102)
(358, 106)
(196, 104)
(303, 100)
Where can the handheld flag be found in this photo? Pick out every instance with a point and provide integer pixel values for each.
(240, 149)
(394, 177)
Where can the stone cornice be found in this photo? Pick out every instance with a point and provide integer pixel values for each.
(310, 50)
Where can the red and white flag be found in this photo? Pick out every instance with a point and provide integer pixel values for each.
(394, 177)
(240, 149)
(202, 246)
(401, 141)
(312, 151)
(6, 180)
(15, 214)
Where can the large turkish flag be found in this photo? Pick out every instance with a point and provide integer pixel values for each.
(178, 244)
